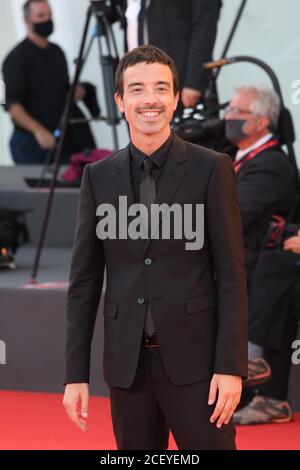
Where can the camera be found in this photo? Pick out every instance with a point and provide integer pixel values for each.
(203, 126)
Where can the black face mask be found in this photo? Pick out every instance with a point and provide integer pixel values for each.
(43, 29)
(234, 130)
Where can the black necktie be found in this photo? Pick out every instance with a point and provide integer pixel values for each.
(147, 197)
(147, 186)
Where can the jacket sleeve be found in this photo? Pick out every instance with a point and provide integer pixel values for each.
(205, 16)
(85, 287)
(15, 80)
(225, 238)
(263, 185)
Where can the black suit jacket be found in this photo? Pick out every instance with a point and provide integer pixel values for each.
(265, 187)
(186, 30)
(198, 298)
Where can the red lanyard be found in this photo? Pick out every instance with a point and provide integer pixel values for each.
(237, 165)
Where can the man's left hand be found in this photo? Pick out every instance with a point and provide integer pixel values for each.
(228, 388)
(190, 97)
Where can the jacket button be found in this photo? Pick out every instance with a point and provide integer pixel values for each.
(148, 262)
(141, 300)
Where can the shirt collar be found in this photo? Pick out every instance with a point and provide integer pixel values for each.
(158, 157)
(241, 153)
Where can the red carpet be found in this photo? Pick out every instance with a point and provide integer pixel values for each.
(38, 421)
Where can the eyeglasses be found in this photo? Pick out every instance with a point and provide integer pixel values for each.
(235, 110)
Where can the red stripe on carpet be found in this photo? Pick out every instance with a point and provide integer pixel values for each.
(38, 421)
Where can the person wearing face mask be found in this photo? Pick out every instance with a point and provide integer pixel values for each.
(265, 184)
(264, 176)
(37, 82)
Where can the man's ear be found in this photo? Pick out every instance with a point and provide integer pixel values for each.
(119, 102)
(264, 123)
(28, 24)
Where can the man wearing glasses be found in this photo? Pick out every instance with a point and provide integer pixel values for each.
(265, 183)
(263, 173)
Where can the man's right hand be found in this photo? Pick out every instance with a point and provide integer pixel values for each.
(44, 138)
(76, 403)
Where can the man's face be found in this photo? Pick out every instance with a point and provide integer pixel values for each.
(148, 100)
(40, 12)
(240, 109)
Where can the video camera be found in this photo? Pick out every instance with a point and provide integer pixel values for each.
(202, 125)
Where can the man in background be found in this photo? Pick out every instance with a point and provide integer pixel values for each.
(185, 30)
(37, 82)
(264, 176)
(265, 183)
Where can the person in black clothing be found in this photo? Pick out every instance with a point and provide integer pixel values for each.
(36, 77)
(274, 309)
(186, 30)
(265, 184)
(175, 338)
(264, 175)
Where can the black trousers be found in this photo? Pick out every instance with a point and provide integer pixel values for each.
(273, 315)
(144, 414)
(280, 361)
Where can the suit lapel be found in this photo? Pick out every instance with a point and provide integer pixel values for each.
(173, 175)
(123, 187)
(122, 176)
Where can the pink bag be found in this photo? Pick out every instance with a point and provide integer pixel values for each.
(74, 171)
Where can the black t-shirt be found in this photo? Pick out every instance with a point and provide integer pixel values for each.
(38, 79)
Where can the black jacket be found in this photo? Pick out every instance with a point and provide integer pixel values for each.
(198, 298)
(265, 186)
(184, 29)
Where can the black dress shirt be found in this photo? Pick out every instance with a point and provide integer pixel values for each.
(159, 158)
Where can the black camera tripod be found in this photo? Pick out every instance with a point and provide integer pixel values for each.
(108, 60)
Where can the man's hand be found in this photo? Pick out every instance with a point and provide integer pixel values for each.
(80, 93)
(190, 97)
(76, 403)
(293, 244)
(229, 388)
(44, 138)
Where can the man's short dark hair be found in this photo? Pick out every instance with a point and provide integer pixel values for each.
(27, 6)
(150, 55)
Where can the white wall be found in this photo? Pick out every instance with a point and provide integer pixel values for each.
(269, 30)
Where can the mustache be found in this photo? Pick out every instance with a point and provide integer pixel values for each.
(151, 108)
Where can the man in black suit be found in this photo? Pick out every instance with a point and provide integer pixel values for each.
(265, 184)
(264, 175)
(175, 314)
(185, 30)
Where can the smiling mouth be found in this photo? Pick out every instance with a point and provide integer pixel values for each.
(151, 114)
